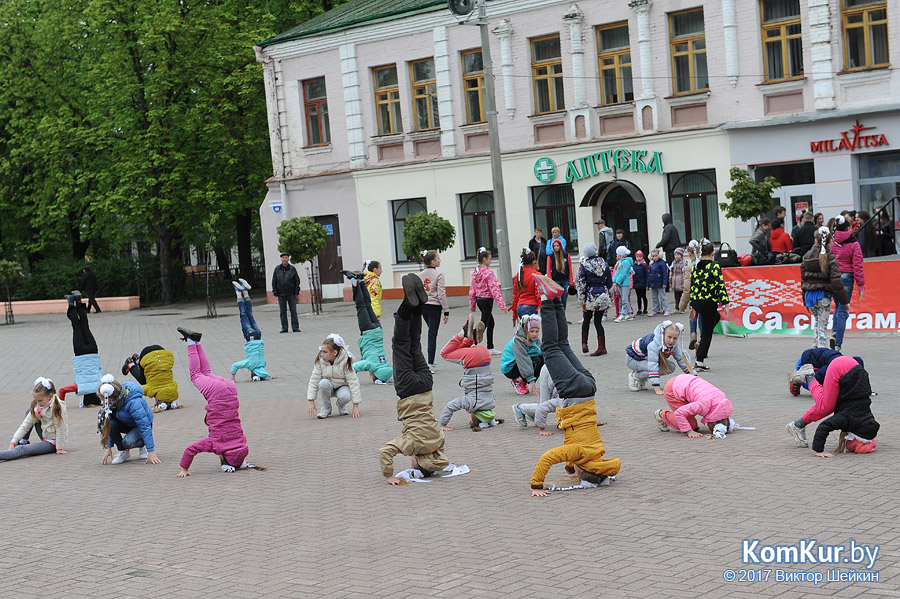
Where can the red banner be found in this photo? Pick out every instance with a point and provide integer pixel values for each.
(766, 300)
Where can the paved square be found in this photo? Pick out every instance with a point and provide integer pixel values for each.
(321, 522)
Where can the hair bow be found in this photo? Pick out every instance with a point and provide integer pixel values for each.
(839, 219)
(367, 264)
(107, 378)
(424, 253)
(44, 382)
(482, 249)
(106, 390)
(339, 341)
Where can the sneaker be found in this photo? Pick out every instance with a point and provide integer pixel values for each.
(77, 296)
(520, 416)
(665, 312)
(652, 314)
(431, 368)
(380, 382)
(701, 366)
(189, 334)
(837, 348)
(495, 352)
(633, 383)
(547, 286)
(353, 274)
(71, 300)
(122, 456)
(245, 284)
(797, 433)
(794, 388)
(832, 342)
(344, 411)
(799, 375)
(469, 327)
(629, 317)
(619, 319)
(520, 386)
(479, 332)
(143, 454)
(323, 413)
(414, 290)
(660, 423)
(238, 288)
(126, 368)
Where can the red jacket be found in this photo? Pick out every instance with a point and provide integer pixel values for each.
(528, 296)
(780, 241)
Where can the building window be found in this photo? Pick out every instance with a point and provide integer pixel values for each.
(695, 204)
(554, 206)
(879, 181)
(687, 45)
(315, 106)
(782, 39)
(615, 64)
(478, 222)
(387, 100)
(865, 34)
(546, 70)
(424, 94)
(473, 84)
(400, 209)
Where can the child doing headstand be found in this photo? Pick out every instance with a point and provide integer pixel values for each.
(648, 356)
(852, 416)
(658, 282)
(333, 376)
(254, 350)
(153, 370)
(521, 361)
(371, 335)
(86, 362)
(826, 394)
(537, 412)
(819, 358)
(484, 290)
(47, 415)
(690, 396)
(582, 450)
(226, 436)
(421, 438)
(477, 379)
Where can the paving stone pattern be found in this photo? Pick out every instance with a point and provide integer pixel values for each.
(321, 522)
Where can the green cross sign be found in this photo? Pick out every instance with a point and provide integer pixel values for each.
(544, 170)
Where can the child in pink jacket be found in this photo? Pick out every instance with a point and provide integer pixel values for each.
(226, 436)
(484, 290)
(825, 395)
(690, 396)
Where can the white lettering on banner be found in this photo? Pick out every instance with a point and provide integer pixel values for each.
(774, 321)
(886, 321)
(748, 324)
(801, 322)
(864, 321)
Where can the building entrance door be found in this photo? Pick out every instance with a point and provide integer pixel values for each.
(330, 262)
(622, 205)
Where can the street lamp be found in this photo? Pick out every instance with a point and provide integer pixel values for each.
(464, 8)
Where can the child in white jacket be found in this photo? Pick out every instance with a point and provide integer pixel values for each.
(333, 376)
(47, 415)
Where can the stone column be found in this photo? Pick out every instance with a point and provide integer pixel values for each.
(444, 92)
(646, 106)
(729, 24)
(574, 18)
(822, 65)
(271, 110)
(504, 32)
(356, 133)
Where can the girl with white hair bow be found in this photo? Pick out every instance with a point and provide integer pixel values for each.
(333, 376)
(820, 281)
(47, 416)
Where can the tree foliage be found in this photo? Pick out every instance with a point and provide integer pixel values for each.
(427, 231)
(749, 199)
(302, 238)
(134, 121)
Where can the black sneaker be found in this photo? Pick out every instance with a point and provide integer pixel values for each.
(71, 300)
(189, 334)
(77, 295)
(354, 274)
(701, 366)
(414, 290)
(126, 368)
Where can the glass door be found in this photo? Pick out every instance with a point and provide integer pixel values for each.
(797, 199)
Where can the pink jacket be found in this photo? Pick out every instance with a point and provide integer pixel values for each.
(484, 285)
(825, 396)
(849, 257)
(222, 416)
(699, 398)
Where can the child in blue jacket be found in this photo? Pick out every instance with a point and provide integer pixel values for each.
(128, 423)
(639, 279)
(254, 350)
(658, 279)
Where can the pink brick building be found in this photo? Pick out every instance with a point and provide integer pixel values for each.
(607, 109)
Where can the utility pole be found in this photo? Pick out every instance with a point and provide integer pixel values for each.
(462, 8)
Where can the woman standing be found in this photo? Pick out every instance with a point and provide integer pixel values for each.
(559, 268)
(885, 234)
(707, 294)
(849, 257)
(437, 301)
(593, 284)
(484, 290)
(820, 280)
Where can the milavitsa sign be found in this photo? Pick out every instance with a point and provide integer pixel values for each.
(607, 161)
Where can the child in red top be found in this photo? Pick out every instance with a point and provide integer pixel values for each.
(779, 239)
(525, 298)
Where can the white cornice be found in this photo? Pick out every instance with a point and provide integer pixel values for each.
(422, 23)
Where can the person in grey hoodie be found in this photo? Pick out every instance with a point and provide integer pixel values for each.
(670, 238)
(477, 380)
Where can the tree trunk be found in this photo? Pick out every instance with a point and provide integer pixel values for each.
(223, 259)
(166, 236)
(245, 253)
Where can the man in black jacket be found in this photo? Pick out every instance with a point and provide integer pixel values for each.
(619, 240)
(806, 235)
(89, 287)
(286, 285)
(670, 238)
(537, 245)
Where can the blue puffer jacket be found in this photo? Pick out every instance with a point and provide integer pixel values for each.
(254, 359)
(641, 272)
(87, 373)
(820, 358)
(135, 413)
(659, 275)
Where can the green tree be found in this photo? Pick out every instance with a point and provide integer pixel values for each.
(427, 231)
(302, 238)
(749, 199)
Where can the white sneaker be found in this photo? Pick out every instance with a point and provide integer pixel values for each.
(619, 318)
(143, 454)
(660, 423)
(633, 383)
(323, 413)
(495, 352)
(121, 456)
(520, 416)
(799, 375)
(797, 433)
